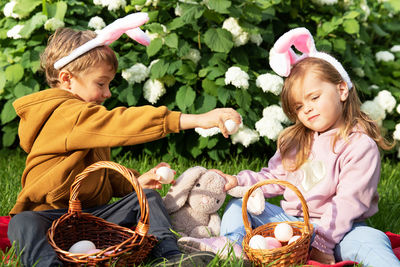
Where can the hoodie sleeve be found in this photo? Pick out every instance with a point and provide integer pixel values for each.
(356, 195)
(275, 170)
(95, 126)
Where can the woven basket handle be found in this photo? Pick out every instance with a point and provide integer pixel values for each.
(246, 221)
(75, 204)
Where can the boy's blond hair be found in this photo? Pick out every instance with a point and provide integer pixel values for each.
(62, 43)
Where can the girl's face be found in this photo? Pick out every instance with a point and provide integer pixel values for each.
(91, 85)
(319, 104)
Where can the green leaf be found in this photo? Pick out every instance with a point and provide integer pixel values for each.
(218, 40)
(171, 40)
(2, 81)
(378, 30)
(37, 21)
(9, 135)
(191, 12)
(14, 73)
(176, 23)
(223, 95)
(8, 112)
(351, 14)
(57, 10)
(159, 69)
(25, 7)
(21, 90)
(351, 26)
(134, 94)
(209, 87)
(154, 46)
(174, 66)
(205, 103)
(220, 6)
(243, 99)
(185, 97)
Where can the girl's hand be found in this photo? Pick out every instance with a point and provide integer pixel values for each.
(151, 180)
(231, 180)
(321, 257)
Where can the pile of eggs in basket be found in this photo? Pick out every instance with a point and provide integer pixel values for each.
(283, 233)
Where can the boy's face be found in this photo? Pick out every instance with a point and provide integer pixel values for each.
(93, 84)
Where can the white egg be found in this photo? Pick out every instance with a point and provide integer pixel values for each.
(166, 174)
(258, 242)
(231, 126)
(82, 247)
(283, 232)
(293, 239)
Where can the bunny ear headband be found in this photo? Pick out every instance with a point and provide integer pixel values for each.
(128, 24)
(282, 57)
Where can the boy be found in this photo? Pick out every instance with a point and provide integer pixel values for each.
(65, 128)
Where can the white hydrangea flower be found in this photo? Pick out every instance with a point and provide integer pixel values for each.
(395, 49)
(9, 10)
(114, 5)
(367, 11)
(153, 90)
(178, 10)
(152, 36)
(136, 74)
(193, 55)
(396, 133)
(269, 127)
(270, 83)
(53, 24)
(359, 72)
(245, 136)
(398, 108)
(237, 77)
(14, 32)
(374, 111)
(240, 37)
(384, 56)
(325, 2)
(373, 87)
(275, 112)
(256, 38)
(96, 23)
(207, 132)
(386, 100)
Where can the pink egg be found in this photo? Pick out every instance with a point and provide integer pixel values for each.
(293, 239)
(283, 232)
(272, 242)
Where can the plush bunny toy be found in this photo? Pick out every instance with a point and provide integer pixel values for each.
(193, 202)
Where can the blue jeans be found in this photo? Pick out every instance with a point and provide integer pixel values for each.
(362, 243)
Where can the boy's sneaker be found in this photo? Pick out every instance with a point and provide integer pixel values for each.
(220, 245)
(196, 259)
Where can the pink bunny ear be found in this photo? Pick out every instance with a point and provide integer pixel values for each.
(128, 24)
(282, 56)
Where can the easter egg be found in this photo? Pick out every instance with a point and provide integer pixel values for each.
(283, 232)
(82, 247)
(257, 242)
(293, 239)
(231, 126)
(272, 242)
(166, 174)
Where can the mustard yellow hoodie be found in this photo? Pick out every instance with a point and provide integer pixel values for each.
(63, 134)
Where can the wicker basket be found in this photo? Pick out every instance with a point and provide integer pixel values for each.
(119, 246)
(295, 253)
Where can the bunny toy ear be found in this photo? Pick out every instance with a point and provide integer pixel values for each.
(282, 56)
(128, 24)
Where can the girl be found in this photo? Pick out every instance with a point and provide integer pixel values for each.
(330, 154)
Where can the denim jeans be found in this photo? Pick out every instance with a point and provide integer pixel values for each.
(362, 243)
(29, 228)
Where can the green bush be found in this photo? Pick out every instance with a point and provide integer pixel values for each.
(194, 80)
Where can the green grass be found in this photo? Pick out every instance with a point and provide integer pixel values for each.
(12, 165)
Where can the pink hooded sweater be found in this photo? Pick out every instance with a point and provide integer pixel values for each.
(339, 187)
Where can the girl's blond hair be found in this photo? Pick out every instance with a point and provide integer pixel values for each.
(297, 138)
(62, 43)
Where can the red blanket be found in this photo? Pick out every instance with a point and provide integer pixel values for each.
(394, 239)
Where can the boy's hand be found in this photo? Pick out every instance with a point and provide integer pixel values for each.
(213, 118)
(231, 180)
(151, 180)
(321, 257)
